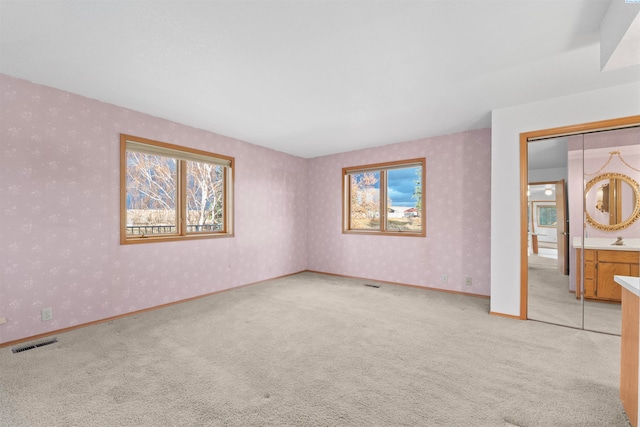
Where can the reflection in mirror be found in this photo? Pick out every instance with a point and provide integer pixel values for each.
(586, 299)
(551, 297)
(602, 198)
(611, 163)
(612, 201)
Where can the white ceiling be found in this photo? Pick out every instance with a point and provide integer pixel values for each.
(548, 153)
(311, 77)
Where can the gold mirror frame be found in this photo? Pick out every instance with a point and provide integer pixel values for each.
(636, 210)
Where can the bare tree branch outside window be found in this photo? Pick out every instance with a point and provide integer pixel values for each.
(151, 193)
(205, 187)
(169, 192)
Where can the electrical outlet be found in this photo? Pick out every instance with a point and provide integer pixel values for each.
(3, 320)
(47, 314)
(444, 278)
(467, 281)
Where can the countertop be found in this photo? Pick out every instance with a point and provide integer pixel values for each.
(630, 244)
(630, 283)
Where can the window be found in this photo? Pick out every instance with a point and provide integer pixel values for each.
(169, 192)
(546, 216)
(385, 198)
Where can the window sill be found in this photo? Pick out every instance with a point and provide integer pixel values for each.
(155, 239)
(386, 233)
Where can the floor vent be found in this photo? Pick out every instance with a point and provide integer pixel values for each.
(31, 346)
(372, 286)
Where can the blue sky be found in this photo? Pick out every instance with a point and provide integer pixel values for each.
(401, 186)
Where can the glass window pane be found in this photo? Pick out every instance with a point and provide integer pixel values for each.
(547, 216)
(365, 201)
(150, 194)
(404, 199)
(205, 196)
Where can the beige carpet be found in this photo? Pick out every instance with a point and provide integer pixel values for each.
(551, 301)
(549, 245)
(315, 350)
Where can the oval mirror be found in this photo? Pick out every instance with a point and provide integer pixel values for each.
(612, 201)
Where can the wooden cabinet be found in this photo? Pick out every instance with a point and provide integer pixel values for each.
(599, 268)
(629, 354)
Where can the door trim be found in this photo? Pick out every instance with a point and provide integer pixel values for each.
(525, 138)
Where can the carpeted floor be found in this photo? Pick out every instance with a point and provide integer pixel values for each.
(317, 350)
(551, 301)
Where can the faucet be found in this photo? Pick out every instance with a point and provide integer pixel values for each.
(618, 242)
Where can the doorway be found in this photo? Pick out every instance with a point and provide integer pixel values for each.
(548, 219)
(552, 290)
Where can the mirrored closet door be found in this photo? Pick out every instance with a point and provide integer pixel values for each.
(552, 295)
(611, 173)
(583, 204)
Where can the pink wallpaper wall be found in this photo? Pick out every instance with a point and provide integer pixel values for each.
(458, 204)
(59, 215)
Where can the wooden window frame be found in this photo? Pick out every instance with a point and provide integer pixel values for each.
(382, 168)
(182, 154)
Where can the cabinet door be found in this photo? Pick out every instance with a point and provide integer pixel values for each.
(589, 288)
(607, 288)
(590, 274)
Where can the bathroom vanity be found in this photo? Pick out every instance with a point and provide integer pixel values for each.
(630, 345)
(602, 261)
